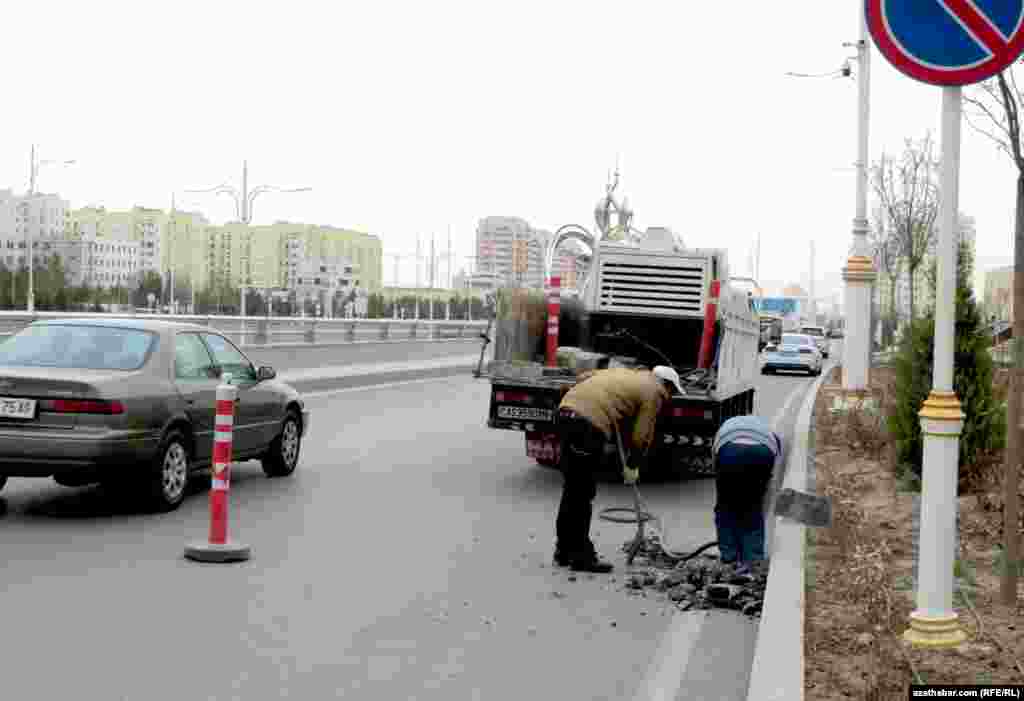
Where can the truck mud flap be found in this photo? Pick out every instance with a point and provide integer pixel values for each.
(545, 448)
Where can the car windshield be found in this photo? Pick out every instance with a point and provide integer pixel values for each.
(790, 339)
(78, 347)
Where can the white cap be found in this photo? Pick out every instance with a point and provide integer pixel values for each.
(667, 374)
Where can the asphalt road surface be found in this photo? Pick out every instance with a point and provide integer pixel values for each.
(407, 558)
(301, 358)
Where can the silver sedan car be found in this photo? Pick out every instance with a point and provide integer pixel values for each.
(795, 353)
(133, 402)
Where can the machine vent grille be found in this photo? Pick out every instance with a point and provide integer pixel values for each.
(662, 285)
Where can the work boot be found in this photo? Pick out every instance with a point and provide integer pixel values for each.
(590, 561)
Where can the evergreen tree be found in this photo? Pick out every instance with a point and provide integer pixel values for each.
(984, 422)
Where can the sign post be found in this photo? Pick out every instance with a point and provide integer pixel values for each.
(950, 44)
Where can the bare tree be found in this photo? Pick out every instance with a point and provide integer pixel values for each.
(994, 110)
(885, 248)
(908, 193)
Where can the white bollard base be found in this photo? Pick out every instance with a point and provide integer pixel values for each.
(935, 624)
(858, 274)
(934, 632)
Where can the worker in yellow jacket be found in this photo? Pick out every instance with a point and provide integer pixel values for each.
(604, 402)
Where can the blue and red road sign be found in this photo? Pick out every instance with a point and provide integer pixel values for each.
(948, 42)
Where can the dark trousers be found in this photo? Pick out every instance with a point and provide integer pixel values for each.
(743, 473)
(582, 451)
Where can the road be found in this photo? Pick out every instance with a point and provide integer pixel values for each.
(408, 558)
(300, 358)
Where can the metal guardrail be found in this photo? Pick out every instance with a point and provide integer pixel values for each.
(269, 332)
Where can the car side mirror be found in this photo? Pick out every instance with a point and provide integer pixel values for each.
(265, 372)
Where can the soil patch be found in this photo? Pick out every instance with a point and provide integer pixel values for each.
(860, 572)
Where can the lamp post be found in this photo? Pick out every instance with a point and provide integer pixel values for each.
(859, 273)
(34, 167)
(243, 204)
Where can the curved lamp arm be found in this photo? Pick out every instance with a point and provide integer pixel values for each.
(223, 190)
(259, 190)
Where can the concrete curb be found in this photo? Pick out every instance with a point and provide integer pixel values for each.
(777, 673)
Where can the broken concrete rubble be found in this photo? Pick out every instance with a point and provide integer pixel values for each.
(700, 583)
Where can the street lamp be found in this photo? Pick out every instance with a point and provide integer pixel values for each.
(243, 205)
(34, 167)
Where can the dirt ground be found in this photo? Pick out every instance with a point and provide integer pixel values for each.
(860, 589)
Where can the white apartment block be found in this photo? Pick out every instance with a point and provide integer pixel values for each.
(41, 218)
(103, 258)
(494, 238)
(317, 278)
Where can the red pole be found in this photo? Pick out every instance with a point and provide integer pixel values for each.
(222, 444)
(554, 307)
(219, 548)
(710, 314)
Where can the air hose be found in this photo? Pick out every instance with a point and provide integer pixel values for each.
(641, 515)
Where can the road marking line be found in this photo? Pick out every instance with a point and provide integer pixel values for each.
(665, 675)
(382, 385)
(781, 413)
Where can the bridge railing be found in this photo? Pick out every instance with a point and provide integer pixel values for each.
(282, 331)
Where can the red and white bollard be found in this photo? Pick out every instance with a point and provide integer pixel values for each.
(554, 309)
(219, 548)
(710, 316)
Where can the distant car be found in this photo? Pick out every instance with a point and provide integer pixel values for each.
(819, 336)
(796, 353)
(133, 402)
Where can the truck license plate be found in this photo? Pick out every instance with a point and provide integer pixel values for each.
(524, 413)
(12, 408)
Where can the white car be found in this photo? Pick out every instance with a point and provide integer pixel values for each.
(819, 336)
(796, 353)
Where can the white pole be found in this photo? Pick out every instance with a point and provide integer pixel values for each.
(859, 273)
(934, 623)
(31, 297)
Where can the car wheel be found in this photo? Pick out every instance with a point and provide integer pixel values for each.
(283, 456)
(168, 478)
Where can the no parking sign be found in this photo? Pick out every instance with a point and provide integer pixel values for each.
(948, 42)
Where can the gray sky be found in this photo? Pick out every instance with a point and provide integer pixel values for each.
(409, 117)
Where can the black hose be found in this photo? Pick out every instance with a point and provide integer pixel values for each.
(640, 516)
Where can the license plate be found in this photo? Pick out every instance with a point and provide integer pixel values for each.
(524, 413)
(12, 408)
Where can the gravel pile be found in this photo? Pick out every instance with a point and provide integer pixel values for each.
(701, 583)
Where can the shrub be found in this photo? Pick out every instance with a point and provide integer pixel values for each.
(984, 430)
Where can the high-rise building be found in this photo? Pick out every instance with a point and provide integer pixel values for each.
(41, 218)
(495, 237)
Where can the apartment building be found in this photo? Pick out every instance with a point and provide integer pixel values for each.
(494, 242)
(41, 218)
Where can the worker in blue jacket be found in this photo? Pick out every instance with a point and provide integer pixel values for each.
(745, 452)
